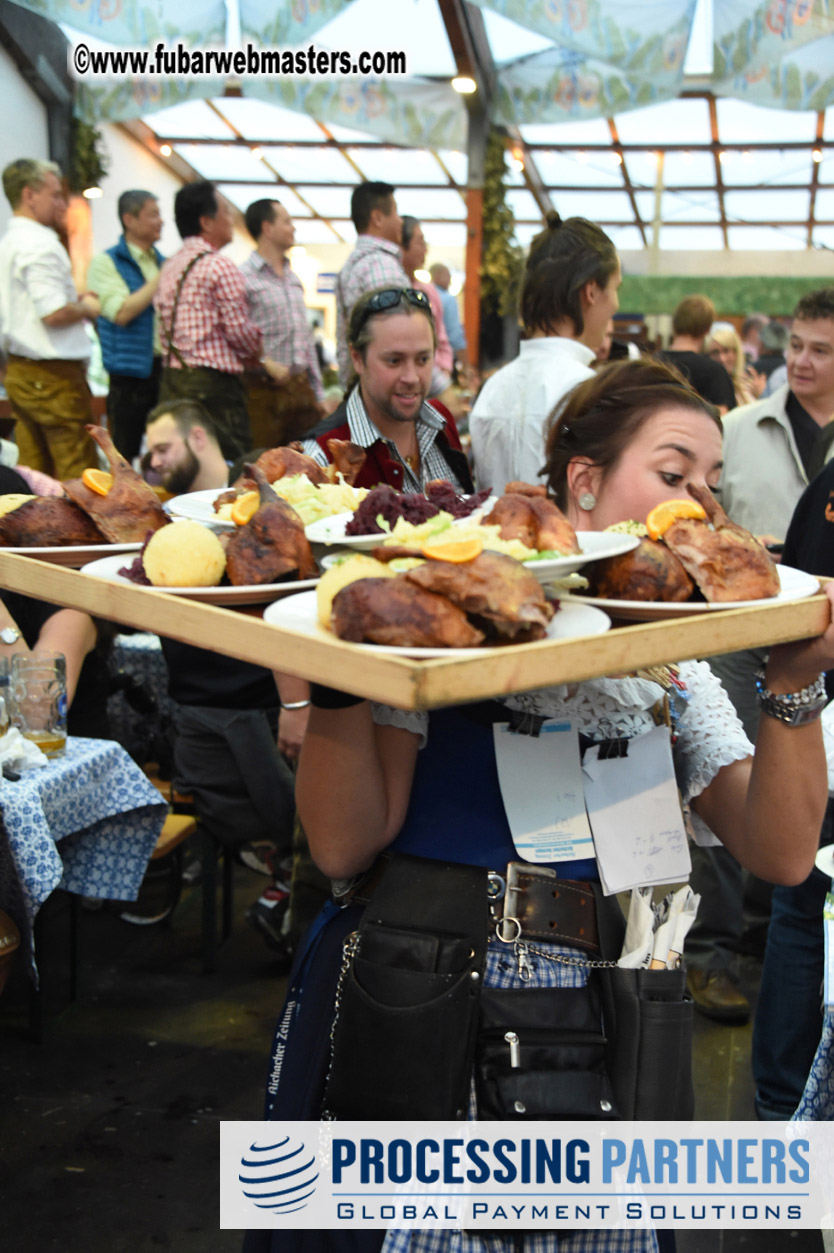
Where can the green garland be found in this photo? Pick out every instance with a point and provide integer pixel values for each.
(88, 165)
(502, 259)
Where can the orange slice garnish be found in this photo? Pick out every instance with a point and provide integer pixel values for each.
(668, 511)
(456, 551)
(245, 507)
(98, 481)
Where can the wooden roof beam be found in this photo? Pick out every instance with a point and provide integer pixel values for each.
(617, 146)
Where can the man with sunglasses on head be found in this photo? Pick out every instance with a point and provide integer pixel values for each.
(407, 440)
(375, 262)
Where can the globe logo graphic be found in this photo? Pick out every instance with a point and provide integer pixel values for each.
(279, 1176)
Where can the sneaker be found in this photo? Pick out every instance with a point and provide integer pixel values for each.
(717, 994)
(257, 857)
(267, 916)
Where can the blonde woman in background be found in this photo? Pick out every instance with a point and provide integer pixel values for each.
(724, 346)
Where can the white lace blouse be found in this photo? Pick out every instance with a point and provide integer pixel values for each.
(709, 733)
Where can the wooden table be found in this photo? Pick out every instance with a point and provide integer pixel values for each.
(406, 682)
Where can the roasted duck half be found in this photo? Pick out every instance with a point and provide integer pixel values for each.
(48, 522)
(130, 509)
(272, 545)
(530, 517)
(348, 458)
(496, 591)
(726, 562)
(649, 572)
(398, 612)
(279, 463)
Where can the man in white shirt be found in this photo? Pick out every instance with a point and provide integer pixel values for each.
(42, 324)
(375, 262)
(568, 296)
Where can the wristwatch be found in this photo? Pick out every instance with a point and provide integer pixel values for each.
(9, 635)
(796, 709)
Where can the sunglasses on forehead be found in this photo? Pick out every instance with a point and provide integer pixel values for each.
(390, 297)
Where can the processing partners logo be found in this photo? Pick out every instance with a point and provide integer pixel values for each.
(279, 1176)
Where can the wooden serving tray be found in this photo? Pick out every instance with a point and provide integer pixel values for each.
(403, 681)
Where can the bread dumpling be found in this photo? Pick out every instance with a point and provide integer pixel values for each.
(187, 554)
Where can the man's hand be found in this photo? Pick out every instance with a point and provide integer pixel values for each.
(91, 305)
(280, 373)
(292, 726)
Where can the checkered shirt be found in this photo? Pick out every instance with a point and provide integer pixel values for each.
(373, 263)
(276, 305)
(212, 325)
(433, 465)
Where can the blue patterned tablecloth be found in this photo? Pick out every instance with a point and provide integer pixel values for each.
(87, 822)
(817, 1104)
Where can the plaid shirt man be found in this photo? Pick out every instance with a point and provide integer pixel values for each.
(276, 305)
(433, 465)
(212, 326)
(373, 263)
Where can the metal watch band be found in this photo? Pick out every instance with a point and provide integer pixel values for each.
(796, 709)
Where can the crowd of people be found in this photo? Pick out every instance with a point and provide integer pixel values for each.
(207, 361)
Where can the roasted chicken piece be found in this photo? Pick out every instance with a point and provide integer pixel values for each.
(492, 589)
(48, 522)
(517, 488)
(648, 572)
(272, 545)
(398, 612)
(726, 562)
(534, 520)
(130, 509)
(278, 463)
(348, 458)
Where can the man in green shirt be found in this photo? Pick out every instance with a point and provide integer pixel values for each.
(125, 278)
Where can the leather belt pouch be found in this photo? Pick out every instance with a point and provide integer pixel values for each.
(405, 1029)
(541, 1054)
(649, 1017)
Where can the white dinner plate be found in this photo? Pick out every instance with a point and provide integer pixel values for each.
(300, 614)
(250, 594)
(199, 507)
(795, 585)
(594, 546)
(332, 531)
(824, 860)
(73, 555)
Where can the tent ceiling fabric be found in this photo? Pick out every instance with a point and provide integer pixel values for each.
(598, 96)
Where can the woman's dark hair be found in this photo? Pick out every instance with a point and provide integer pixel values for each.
(410, 224)
(601, 416)
(562, 259)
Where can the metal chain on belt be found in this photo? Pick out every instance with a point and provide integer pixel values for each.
(522, 949)
(349, 950)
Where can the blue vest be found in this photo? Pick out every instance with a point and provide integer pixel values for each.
(128, 349)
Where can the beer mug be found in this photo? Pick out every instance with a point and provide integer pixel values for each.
(39, 699)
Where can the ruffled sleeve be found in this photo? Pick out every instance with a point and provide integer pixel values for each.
(406, 719)
(710, 736)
